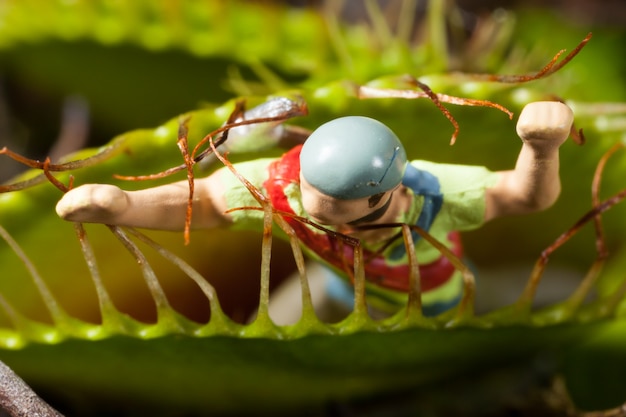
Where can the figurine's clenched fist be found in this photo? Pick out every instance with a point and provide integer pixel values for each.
(545, 124)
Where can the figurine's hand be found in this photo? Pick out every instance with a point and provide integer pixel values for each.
(545, 125)
(93, 203)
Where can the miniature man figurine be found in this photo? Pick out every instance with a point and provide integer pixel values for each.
(353, 172)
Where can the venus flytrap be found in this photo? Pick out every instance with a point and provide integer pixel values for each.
(322, 360)
(169, 322)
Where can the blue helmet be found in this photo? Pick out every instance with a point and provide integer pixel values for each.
(353, 157)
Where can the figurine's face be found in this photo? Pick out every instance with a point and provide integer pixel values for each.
(332, 211)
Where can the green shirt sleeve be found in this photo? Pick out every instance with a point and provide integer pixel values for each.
(238, 196)
(464, 188)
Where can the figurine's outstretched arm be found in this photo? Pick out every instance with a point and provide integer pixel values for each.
(534, 184)
(163, 207)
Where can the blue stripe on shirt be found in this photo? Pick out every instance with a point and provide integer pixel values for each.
(425, 184)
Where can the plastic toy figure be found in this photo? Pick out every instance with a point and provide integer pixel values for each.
(353, 172)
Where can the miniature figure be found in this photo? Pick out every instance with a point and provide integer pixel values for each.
(353, 172)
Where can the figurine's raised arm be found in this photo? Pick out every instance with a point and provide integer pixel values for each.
(534, 184)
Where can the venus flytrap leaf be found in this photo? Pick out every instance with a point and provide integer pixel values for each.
(309, 323)
(414, 302)
(112, 320)
(219, 323)
(63, 323)
(358, 322)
